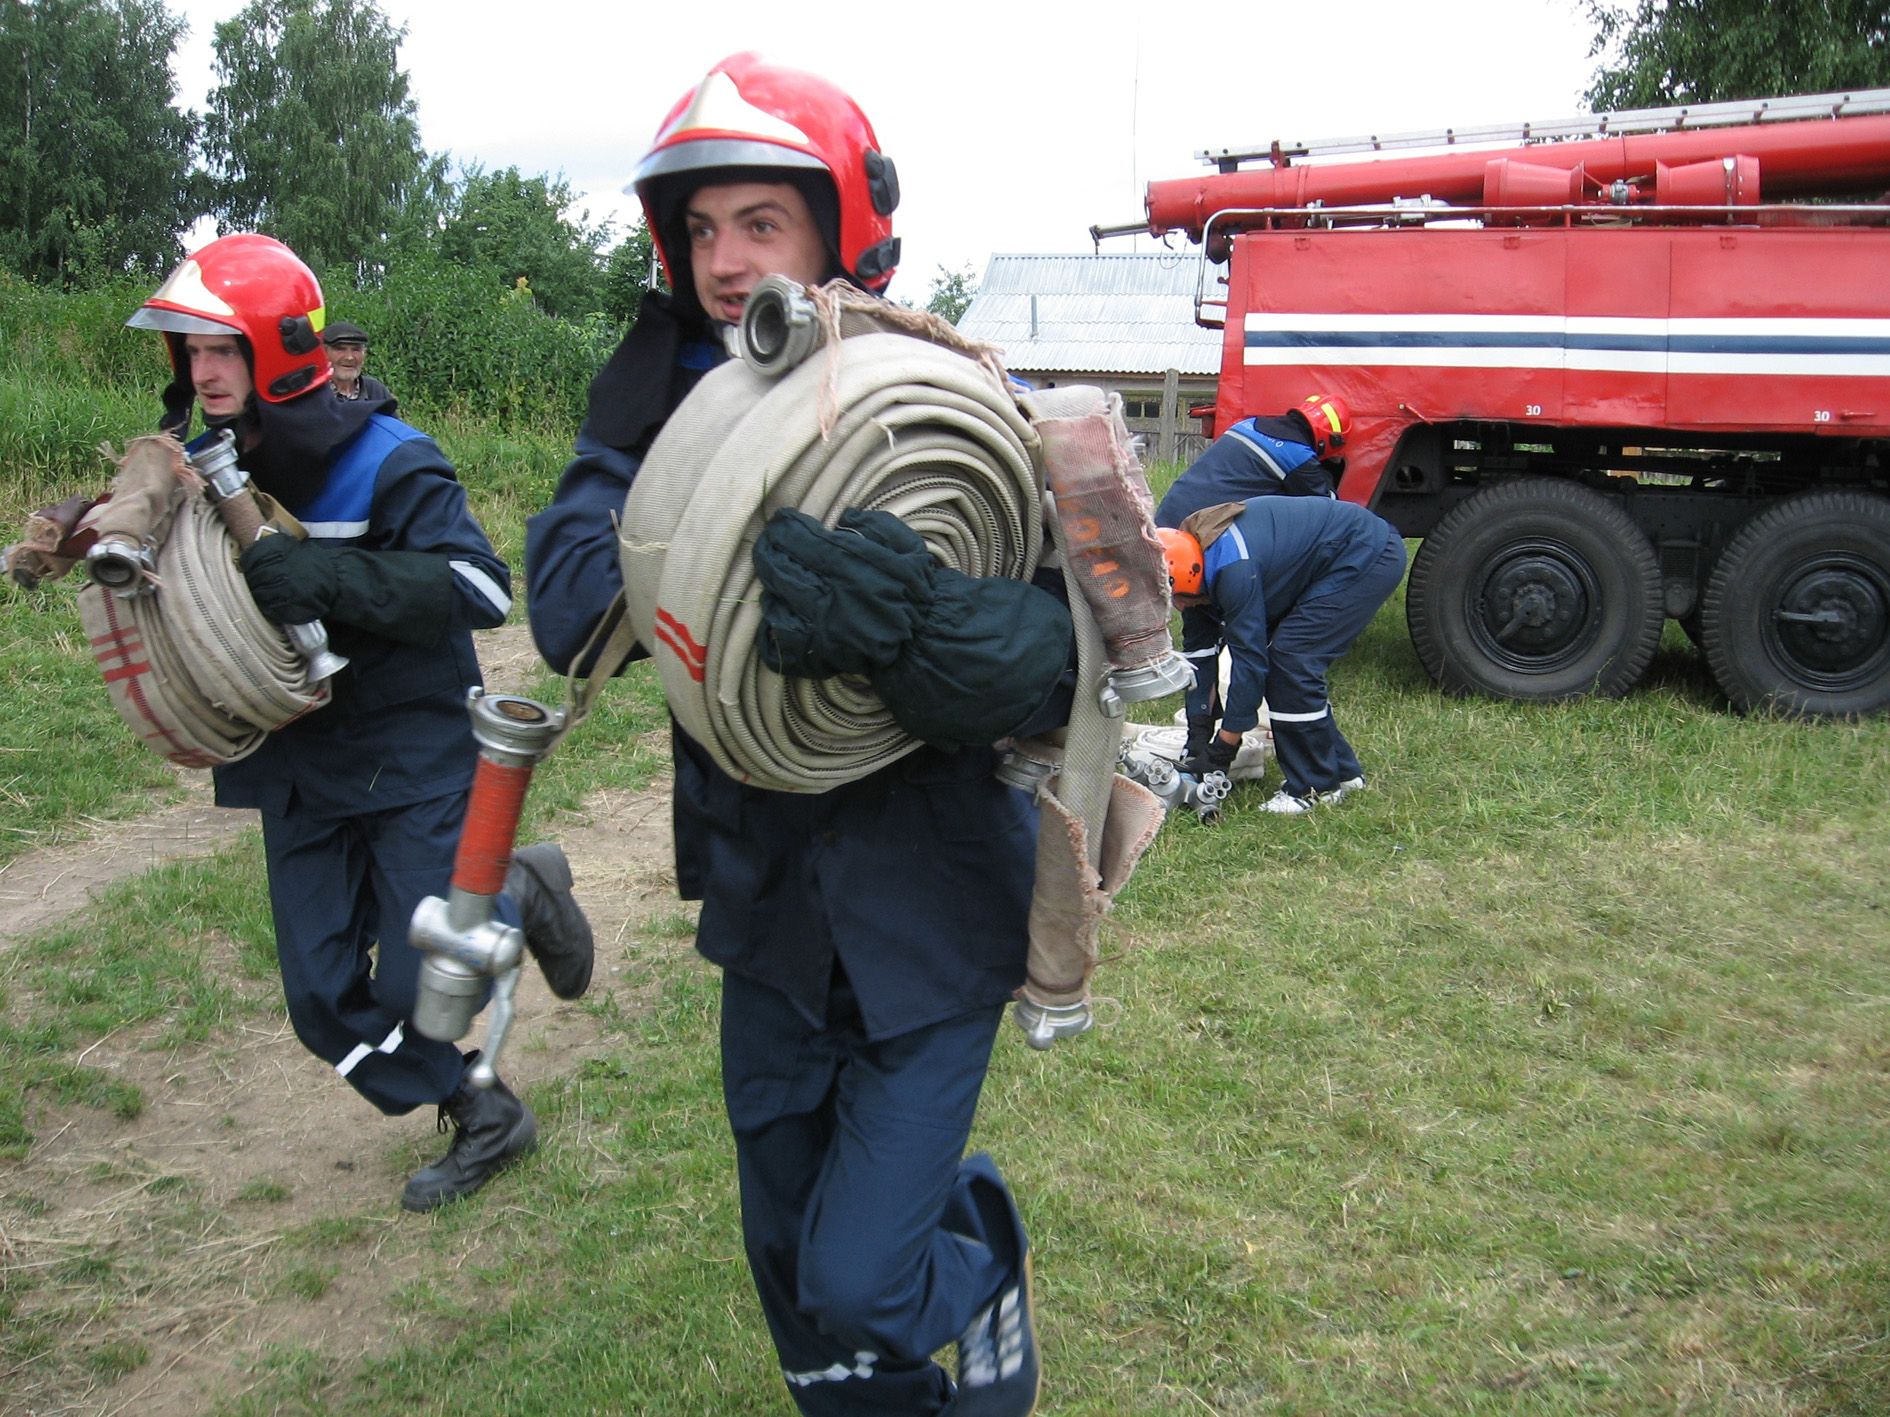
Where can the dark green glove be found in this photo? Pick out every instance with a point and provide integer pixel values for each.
(840, 601)
(957, 659)
(399, 595)
(1200, 734)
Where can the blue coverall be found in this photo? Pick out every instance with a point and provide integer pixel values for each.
(1257, 457)
(362, 799)
(869, 937)
(1289, 585)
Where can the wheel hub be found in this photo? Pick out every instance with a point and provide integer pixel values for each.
(1834, 618)
(1534, 606)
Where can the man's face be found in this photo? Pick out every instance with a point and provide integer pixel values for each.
(742, 231)
(347, 356)
(220, 372)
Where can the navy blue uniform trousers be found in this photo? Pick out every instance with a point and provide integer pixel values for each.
(343, 890)
(1328, 616)
(871, 1242)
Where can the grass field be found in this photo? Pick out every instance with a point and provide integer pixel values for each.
(1548, 1076)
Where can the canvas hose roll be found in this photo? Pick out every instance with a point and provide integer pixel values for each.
(194, 669)
(841, 401)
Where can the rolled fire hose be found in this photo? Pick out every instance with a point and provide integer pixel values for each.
(193, 667)
(834, 404)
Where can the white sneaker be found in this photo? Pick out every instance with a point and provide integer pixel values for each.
(1285, 804)
(1348, 787)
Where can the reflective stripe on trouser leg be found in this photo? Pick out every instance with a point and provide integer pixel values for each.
(350, 992)
(850, 1154)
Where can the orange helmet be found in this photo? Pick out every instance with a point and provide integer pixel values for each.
(1329, 419)
(1182, 552)
(252, 286)
(747, 114)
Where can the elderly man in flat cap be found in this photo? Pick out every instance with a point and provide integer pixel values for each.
(347, 352)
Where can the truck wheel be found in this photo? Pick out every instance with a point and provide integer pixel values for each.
(1535, 589)
(1796, 616)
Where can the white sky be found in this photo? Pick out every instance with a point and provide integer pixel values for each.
(1015, 127)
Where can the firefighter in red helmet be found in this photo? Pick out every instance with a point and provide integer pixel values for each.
(870, 935)
(360, 800)
(1295, 455)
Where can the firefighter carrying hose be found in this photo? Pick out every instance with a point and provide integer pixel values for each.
(362, 799)
(1286, 584)
(869, 935)
(1295, 455)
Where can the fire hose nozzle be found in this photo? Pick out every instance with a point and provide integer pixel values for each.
(779, 327)
(122, 566)
(226, 487)
(466, 947)
(1045, 1024)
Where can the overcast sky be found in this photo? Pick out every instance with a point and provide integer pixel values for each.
(1015, 126)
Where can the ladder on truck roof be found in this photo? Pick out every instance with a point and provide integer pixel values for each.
(1592, 125)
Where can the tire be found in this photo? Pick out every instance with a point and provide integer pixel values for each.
(1535, 589)
(1796, 617)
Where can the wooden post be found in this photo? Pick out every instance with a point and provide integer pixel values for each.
(1171, 416)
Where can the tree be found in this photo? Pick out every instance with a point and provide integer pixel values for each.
(94, 161)
(518, 226)
(951, 292)
(311, 134)
(1661, 52)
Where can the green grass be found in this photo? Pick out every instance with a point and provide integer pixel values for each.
(1549, 1076)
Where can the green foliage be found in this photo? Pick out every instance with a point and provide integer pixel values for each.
(93, 158)
(517, 229)
(450, 341)
(312, 135)
(951, 292)
(1659, 52)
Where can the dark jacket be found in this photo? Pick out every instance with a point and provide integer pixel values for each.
(1257, 457)
(396, 731)
(915, 881)
(1275, 553)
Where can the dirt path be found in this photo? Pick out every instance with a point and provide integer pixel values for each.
(259, 1135)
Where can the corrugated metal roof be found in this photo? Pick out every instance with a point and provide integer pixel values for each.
(1122, 314)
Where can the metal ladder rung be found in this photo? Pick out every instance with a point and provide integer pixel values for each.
(1790, 108)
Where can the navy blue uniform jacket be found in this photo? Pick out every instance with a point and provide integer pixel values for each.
(1254, 458)
(397, 731)
(1258, 569)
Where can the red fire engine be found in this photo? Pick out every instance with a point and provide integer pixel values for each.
(1611, 370)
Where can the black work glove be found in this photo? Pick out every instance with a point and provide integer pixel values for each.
(839, 602)
(957, 659)
(399, 595)
(1218, 756)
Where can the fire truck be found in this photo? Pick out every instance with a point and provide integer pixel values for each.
(1612, 370)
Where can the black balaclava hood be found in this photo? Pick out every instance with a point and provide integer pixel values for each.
(293, 441)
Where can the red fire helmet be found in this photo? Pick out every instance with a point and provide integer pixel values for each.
(749, 113)
(256, 287)
(1182, 552)
(1330, 419)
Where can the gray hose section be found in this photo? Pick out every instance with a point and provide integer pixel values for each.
(221, 674)
(916, 430)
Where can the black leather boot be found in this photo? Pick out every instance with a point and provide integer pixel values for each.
(492, 1129)
(556, 932)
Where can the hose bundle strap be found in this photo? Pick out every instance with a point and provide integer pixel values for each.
(192, 666)
(878, 420)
